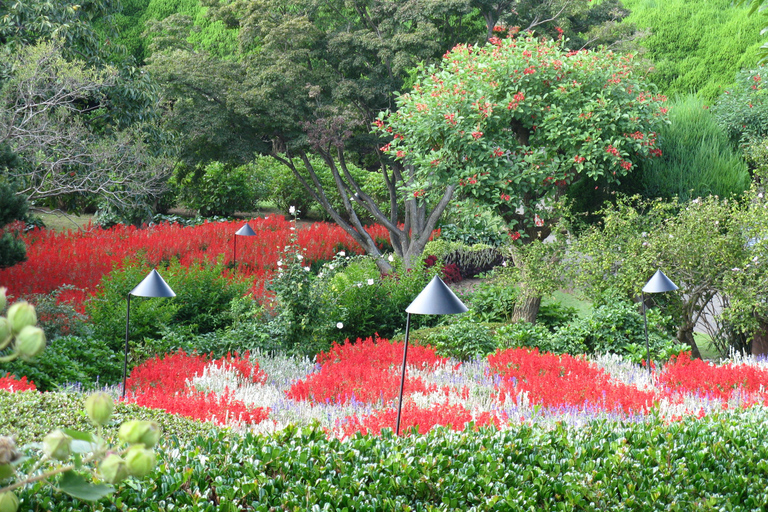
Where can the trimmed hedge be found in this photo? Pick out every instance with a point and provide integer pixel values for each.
(717, 463)
(30, 415)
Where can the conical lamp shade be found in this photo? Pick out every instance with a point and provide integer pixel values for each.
(659, 283)
(153, 286)
(245, 231)
(436, 299)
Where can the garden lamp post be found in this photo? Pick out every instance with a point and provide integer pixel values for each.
(659, 283)
(435, 299)
(243, 231)
(152, 286)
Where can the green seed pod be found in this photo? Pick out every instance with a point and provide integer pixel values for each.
(3, 300)
(6, 334)
(30, 342)
(99, 407)
(8, 502)
(113, 469)
(140, 432)
(140, 461)
(8, 451)
(57, 445)
(21, 314)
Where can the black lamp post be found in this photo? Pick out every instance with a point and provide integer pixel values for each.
(243, 231)
(659, 283)
(152, 286)
(435, 299)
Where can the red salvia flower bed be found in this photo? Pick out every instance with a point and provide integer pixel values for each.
(366, 371)
(684, 374)
(161, 383)
(81, 258)
(556, 380)
(424, 419)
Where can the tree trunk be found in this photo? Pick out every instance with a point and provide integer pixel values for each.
(526, 309)
(685, 335)
(760, 341)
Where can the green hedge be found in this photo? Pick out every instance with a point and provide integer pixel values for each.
(717, 463)
(30, 415)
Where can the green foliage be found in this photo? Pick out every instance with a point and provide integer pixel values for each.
(528, 335)
(304, 318)
(492, 301)
(553, 314)
(697, 244)
(202, 304)
(518, 133)
(30, 416)
(284, 190)
(81, 361)
(698, 159)
(695, 45)
(464, 339)
(618, 328)
(471, 224)
(219, 189)
(743, 109)
(368, 303)
(600, 465)
(12, 207)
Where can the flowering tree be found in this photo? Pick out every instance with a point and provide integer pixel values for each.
(517, 121)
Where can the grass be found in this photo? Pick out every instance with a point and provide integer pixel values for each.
(59, 221)
(570, 300)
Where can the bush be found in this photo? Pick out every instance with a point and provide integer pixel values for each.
(463, 339)
(615, 466)
(618, 328)
(202, 303)
(743, 109)
(697, 160)
(31, 415)
(219, 189)
(368, 303)
(492, 302)
(528, 335)
(83, 361)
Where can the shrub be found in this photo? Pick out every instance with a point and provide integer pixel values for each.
(555, 314)
(83, 361)
(697, 158)
(219, 189)
(202, 302)
(615, 466)
(31, 415)
(743, 109)
(464, 339)
(526, 334)
(492, 302)
(618, 328)
(367, 303)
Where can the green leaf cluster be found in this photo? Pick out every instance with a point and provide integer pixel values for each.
(717, 462)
